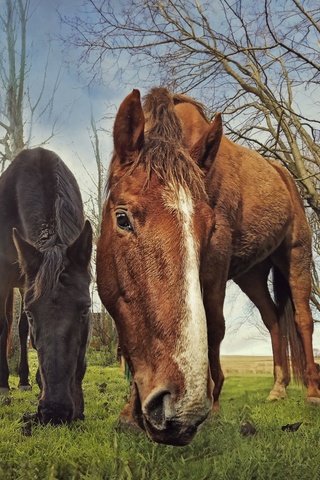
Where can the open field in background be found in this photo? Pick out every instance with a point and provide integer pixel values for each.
(247, 365)
(98, 449)
(242, 365)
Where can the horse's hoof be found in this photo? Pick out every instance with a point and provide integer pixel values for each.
(313, 400)
(25, 388)
(275, 396)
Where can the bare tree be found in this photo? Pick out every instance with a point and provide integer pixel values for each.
(18, 110)
(94, 202)
(257, 62)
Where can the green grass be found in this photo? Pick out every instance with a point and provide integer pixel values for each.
(97, 449)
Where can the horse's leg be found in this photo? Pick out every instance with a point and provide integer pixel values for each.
(254, 284)
(5, 319)
(23, 367)
(214, 276)
(296, 268)
(216, 331)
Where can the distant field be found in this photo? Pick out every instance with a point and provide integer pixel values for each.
(241, 364)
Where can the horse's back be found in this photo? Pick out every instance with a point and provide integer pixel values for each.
(256, 202)
(237, 171)
(37, 193)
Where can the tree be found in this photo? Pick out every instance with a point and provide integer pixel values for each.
(94, 203)
(18, 109)
(257, 62)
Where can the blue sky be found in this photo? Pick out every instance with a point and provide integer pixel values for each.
(75, 99)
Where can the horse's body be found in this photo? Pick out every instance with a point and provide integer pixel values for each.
(45, 249)
(187, 209)
(261, 225)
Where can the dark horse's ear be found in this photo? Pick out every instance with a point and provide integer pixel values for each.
(128, 130)
(29, 257)
(205, 149)
(80, 251)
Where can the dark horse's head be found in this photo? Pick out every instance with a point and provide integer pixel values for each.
(156, 228)
(57, 304)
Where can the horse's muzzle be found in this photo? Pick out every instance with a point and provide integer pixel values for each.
(55, 413)
(163, 425)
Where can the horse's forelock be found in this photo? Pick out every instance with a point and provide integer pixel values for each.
(52, 265)
(164, 152)
(161, 121)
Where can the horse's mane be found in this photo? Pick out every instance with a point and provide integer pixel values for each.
(164, 152)
(65, 225)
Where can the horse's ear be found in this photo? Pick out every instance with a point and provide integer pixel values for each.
(80, 251)
(205, 149)
(128, 130)
(29, 257)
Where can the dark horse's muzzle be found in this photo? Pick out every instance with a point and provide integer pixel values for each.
(55, 413)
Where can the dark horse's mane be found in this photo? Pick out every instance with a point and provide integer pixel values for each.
(56, 222)
(164, 152)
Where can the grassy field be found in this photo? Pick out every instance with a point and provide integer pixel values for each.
(98, 449)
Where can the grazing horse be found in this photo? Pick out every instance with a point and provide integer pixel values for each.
(45, 249)
(186, 210)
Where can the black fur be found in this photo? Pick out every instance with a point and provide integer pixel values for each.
(45, 248)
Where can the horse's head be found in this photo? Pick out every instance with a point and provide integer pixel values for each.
(156, 227)
(57, 302)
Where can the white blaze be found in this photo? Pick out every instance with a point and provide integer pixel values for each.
(192, 345)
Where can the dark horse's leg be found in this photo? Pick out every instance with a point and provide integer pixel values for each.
(254, 284)
(6, 304)
(23, 335)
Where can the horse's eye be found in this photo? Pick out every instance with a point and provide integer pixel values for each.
(123, 221)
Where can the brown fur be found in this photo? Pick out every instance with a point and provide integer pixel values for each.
(260, 211)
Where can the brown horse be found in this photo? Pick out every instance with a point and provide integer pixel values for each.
(186, 210)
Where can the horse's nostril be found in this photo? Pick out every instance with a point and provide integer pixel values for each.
(55, 413)
(154, 408)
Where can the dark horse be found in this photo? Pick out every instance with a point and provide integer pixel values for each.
(45, 249)
(186, 210)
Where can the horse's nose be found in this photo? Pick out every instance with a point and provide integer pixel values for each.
(55, 413)
(156, 408)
